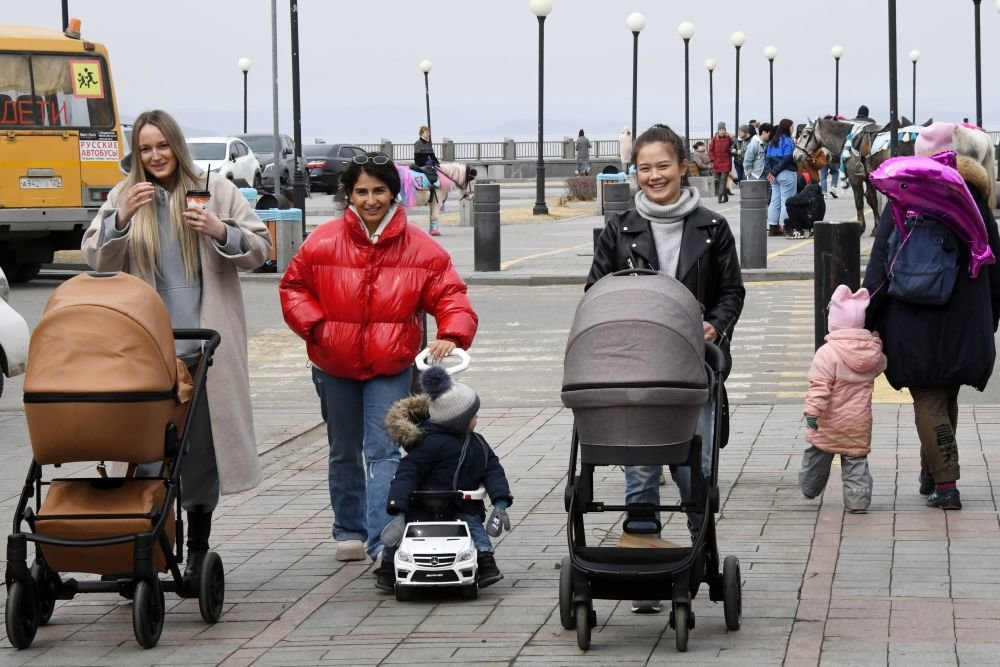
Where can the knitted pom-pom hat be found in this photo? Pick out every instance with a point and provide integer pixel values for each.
(453, 404)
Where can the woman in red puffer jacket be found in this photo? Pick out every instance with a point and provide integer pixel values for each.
(355, 293)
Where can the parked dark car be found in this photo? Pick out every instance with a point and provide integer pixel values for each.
(262, 146)
(326, 162)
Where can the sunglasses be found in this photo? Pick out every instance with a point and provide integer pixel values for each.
(365, 159)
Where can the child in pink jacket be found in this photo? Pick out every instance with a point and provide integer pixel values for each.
(838, 406)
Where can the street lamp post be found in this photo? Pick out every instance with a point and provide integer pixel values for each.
(425, 67)
(914, 57)
(893, 84)
(837, 52)
(770, 52)
(541, 9)
(710, 66)
(635, 23)
(686, 31)
(244, 64)
(737, 39)
(979, 69)
(299, 177)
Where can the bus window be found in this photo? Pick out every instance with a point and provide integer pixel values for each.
(69, 91)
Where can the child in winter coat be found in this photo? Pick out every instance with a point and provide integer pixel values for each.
(838, 406)
(444, 453)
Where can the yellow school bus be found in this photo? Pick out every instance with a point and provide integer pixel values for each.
(60, 143)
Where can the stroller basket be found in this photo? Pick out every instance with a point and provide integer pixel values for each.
(634, 371)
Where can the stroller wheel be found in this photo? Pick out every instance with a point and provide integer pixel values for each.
(211, 588)
(46, 596)
(732, 588)
(21, 614)
(566, 617)
(680, 618)
(147, 613)
(583, 618)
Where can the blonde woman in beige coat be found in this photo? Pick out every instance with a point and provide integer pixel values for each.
(190, 255)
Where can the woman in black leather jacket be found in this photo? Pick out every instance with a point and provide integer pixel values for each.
(669, 231)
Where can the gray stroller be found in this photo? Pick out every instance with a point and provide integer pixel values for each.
(637, 374)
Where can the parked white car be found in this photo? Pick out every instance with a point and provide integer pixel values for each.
(228, 157)
(14, 335)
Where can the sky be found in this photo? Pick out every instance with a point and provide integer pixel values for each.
(360, 76)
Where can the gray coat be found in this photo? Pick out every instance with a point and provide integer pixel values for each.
(222, 310)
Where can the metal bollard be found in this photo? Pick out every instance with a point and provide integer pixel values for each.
(837, 261)
(486, 235)
(616, 200)
(753, 224)
(465, 212)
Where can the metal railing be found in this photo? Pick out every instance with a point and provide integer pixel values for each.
(479, 151)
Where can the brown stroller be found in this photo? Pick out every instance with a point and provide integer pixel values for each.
(104, 384)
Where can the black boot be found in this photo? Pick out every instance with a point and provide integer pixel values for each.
(199, 528)
(489, 573)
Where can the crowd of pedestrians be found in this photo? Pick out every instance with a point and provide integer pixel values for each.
(356, 289)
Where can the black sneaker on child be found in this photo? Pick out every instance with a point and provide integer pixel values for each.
(489, 573)
(385, 576)
(945, 500)
(926, 483)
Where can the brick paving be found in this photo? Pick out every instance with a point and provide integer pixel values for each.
(903, 584)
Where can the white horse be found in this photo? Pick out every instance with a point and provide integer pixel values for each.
(415, 190)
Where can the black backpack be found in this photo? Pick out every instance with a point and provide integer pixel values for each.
(922, 265)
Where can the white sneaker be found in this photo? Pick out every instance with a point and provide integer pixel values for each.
(351, 550)
(646, 606)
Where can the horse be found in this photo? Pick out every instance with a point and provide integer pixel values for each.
(868, 149)
(417, 192)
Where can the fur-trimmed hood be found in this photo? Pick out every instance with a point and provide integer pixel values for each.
(404, 419)
(975, 177)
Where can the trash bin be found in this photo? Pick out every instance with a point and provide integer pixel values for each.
(602, 180)
(250, 195)
(285, 227)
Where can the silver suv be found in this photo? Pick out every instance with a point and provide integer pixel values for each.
(262, 146)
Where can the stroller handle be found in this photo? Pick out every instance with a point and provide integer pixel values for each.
(212, 337)
(464, 360)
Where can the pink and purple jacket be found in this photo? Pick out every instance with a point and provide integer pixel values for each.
(841, 381)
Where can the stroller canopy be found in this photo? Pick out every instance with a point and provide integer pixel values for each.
(636, 330)
(634, 372)
(103, 381)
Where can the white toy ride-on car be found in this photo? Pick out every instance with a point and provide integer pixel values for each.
(438, 553)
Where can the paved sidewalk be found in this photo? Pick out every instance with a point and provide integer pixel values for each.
(903, 584)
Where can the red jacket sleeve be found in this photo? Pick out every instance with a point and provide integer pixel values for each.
(299, 305)
(446, 299)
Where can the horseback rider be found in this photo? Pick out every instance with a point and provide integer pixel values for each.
(424, 159)
(862, 116)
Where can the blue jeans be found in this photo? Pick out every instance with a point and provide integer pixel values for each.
(784, 187)
(642, 483)
(363, 459)
(834, 177)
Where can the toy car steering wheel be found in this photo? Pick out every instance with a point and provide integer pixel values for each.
(464, 360)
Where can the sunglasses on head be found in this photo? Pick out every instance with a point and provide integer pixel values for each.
(365, 159)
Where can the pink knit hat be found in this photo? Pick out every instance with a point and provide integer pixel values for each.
(935, 138)
(847, 311)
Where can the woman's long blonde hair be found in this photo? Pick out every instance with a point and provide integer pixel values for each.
(145, 243)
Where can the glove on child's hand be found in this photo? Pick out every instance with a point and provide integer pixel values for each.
(812, 423)
(392, 534)
(498, 520)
